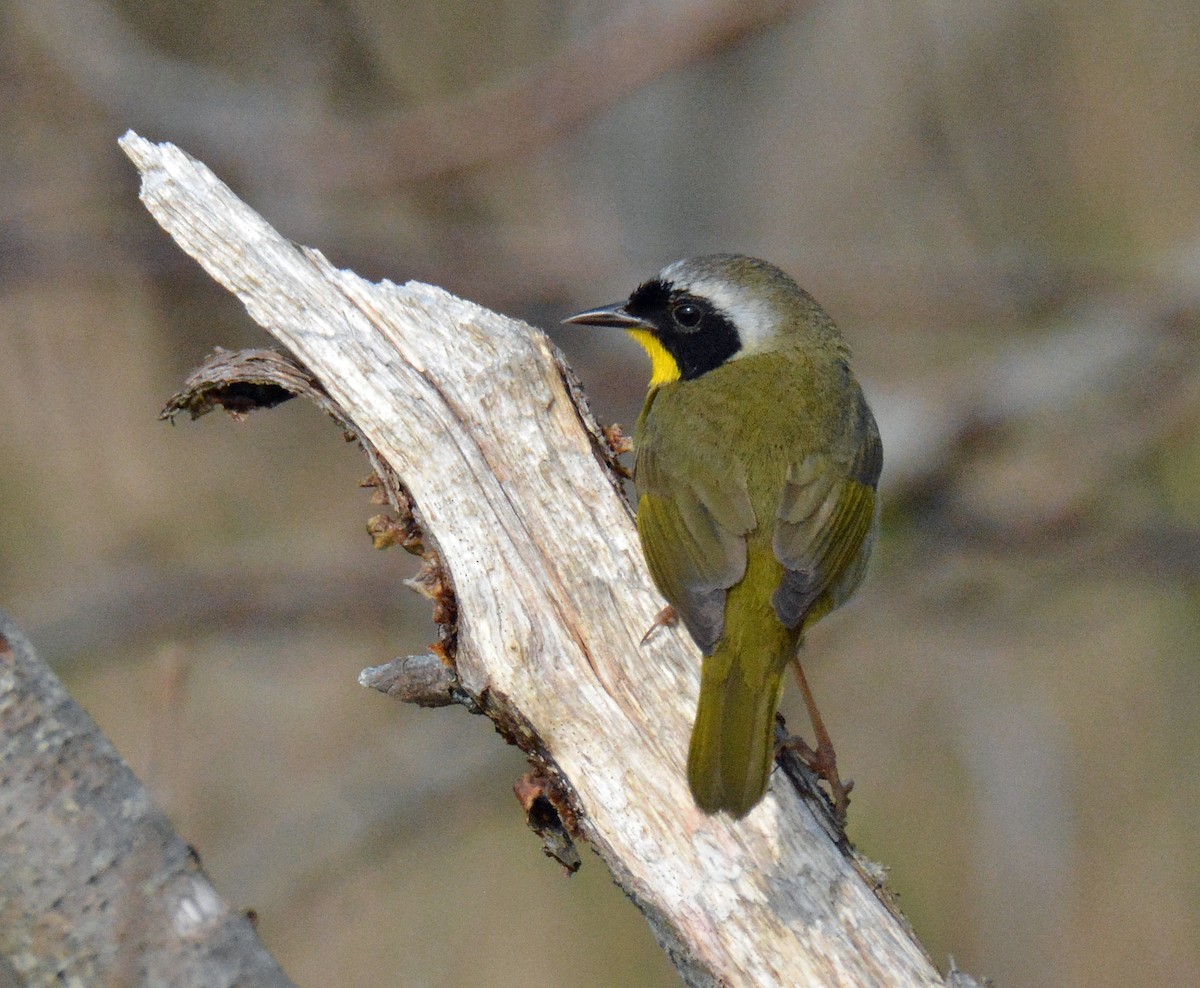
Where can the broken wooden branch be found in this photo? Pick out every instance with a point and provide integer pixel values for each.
(534, 546)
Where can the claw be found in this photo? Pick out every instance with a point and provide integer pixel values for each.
(668, 617)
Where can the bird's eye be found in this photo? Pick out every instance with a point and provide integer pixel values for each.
(687, 314)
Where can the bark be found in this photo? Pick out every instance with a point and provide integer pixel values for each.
(509, 495)
(95, 886)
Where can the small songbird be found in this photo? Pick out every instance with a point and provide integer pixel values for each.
(756, 465)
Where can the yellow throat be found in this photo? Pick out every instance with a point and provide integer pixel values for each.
(663, 367)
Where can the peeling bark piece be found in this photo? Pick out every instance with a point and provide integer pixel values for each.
(536, 793)
(241, 381)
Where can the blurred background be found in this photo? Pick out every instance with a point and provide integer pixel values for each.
(998, 200)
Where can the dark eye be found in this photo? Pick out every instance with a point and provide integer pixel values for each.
(687, 314)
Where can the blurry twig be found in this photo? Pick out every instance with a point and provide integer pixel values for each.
(268, 128)
(1115, 342)
(520, 116)
(231, 592)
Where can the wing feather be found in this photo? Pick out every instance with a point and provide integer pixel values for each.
(827, 513)
(694, 537)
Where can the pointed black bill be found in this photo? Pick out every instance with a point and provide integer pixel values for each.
(609, 315)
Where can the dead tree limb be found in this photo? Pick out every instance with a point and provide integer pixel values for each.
(512, 495)
(95, 886)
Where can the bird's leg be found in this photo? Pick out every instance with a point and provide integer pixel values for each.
(666, 618)
(822, 760)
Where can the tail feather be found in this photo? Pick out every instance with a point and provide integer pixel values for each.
(733, 740)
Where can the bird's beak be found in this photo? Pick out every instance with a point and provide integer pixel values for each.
(609, 315)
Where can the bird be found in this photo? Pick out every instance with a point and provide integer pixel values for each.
(756, 468)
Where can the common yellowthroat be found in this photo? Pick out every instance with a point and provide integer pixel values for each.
(756, 465)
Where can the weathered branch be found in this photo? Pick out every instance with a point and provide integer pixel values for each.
(475, 413)
(95, 886)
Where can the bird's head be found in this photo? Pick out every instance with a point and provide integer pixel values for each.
(700, 313)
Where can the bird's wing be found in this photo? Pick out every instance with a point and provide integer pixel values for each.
(694, 538)
(826, 513)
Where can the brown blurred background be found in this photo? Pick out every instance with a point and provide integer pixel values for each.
(999, 200)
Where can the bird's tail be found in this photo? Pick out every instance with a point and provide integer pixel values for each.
(733, 740)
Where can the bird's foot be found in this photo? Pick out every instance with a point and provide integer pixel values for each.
(822, 762)
(618, 445)
(617, 440)
(668, 617)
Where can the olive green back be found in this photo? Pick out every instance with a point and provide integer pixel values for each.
(756, 510)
